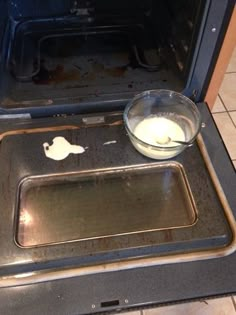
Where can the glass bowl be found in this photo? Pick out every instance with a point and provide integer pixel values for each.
(161, 123)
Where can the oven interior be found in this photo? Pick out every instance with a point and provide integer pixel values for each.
(81, 52)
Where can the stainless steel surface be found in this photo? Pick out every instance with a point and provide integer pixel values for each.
(103, 204)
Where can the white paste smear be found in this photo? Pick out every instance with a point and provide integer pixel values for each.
(109, 142)
(61, 148)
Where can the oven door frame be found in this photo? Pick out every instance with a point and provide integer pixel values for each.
(208, 48)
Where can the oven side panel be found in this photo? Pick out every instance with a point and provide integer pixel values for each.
(3, 22)
(212, 33)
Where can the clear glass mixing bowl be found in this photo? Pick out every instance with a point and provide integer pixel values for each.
(161, 123)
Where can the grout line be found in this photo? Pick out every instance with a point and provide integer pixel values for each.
(222, 101)
(234, 303)
(230, 72)
(234, 124)
(213, 114)
(141, 312)
(219, 112)
(232, 120)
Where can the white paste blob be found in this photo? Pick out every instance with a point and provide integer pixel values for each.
(61, 148)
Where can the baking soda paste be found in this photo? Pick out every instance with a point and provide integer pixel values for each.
(156, 131)
(61, 148)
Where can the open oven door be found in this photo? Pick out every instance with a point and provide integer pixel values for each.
(109, 213)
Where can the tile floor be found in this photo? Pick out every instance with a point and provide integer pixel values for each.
(224, 110)
(224, 113)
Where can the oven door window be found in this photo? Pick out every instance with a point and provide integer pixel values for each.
(103, 205)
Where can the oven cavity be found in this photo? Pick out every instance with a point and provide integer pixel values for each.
(96, 50)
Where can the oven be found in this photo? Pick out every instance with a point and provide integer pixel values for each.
(107, 229)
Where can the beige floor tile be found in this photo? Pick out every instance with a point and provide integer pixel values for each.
(218, 106)
(130, 313)
(233, 116)
(228, 91)
(227, 131)
(232, 64)
(234, 162)
(222, 306)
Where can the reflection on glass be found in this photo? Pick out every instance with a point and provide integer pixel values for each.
(25, 217)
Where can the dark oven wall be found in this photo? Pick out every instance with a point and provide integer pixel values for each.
(19, 9)
(81, 54)
(3, 22)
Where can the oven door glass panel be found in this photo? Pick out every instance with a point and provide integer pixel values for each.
(103, 204)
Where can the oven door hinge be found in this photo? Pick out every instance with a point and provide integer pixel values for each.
(93, 120)
(15, 116)
(194, 95)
